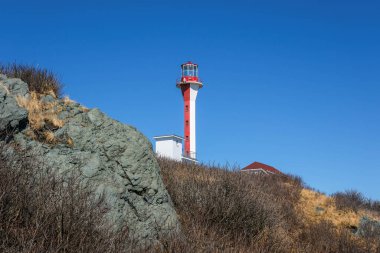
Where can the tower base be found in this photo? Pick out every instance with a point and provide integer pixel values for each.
(189, 160)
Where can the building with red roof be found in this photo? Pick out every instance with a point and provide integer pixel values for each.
(261, 168)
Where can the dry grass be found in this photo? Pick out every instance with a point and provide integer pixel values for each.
(84, 109)
(323, 236)
(39, 80)
(70, 141)
(317, 207)
(43, 117)
(227, 211)
(67, 101)
(224, 211)
(41, 114)
(49, 137)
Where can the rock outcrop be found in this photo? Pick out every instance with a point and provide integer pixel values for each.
(113, 158)
(12, 117)
(369, 228)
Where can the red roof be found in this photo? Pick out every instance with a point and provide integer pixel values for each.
(262, 166)
(189, 63)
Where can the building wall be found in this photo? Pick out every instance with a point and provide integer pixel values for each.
(169, 147)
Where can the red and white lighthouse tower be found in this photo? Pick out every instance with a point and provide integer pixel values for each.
(189, 85)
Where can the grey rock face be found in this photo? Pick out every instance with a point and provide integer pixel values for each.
(47, 99)
(12, 116)
(113, 158)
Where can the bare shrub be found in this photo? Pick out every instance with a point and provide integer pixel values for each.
(223, 210)
(41, 212)
(352, 200)
(373, 205)
(325, 237)
(39, 80)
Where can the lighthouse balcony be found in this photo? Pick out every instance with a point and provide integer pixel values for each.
(189, 80)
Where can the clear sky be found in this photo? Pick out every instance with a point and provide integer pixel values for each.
(294, 84)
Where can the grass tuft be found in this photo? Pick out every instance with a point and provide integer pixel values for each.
(39, 80)
(39, 113)
(42, 116)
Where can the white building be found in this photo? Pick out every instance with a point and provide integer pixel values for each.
(171, 146)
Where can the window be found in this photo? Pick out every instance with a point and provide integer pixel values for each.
(186, 108)
(191, 70)
(187, 122)
(186, 70)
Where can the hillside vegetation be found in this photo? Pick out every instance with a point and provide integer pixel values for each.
(219, 210)
(230, 211)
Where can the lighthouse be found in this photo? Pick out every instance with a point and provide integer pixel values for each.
(170, 145)
(189, 85)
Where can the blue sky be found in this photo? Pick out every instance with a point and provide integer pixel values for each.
(295, 85)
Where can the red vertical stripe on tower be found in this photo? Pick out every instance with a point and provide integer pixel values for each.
(186, 98)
